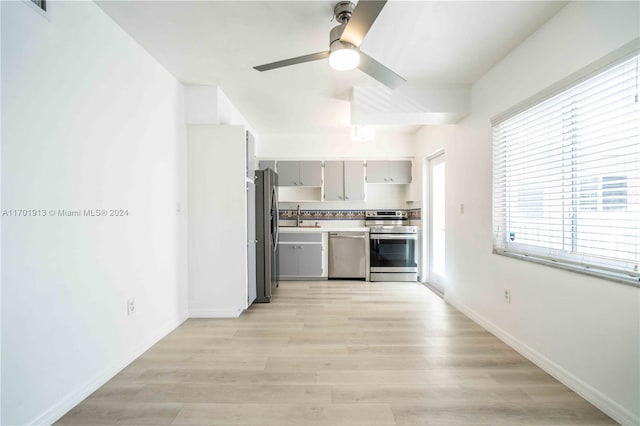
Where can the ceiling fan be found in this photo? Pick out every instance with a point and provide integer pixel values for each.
(344, 43)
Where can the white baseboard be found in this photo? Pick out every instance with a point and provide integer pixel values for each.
(214, 313)
(59, 409)
(588, 392)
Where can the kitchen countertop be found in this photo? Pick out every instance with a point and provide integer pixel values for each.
(297, 229)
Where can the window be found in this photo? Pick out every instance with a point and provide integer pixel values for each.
(601, 194)
(566, 173)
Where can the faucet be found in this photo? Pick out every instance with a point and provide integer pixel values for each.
(298, 221)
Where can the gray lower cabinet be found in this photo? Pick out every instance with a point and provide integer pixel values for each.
(389, 171)
(288, 259)
(309, 260)
(300, 255)
(299, 173)
(344, 180)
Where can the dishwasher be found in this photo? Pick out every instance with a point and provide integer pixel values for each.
(348, 255)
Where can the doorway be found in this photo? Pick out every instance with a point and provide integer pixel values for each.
(436, 188)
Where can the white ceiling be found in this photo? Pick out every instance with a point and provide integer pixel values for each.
(218, 42)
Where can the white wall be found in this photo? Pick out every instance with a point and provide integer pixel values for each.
(90, 121)
(217, 221)
(0, 221)
(210, 105)
(583, 330)
(201, 104)
(335, 144)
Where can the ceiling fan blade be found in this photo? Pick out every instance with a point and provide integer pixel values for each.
(362, 18)
(293, 61)
(378, 71)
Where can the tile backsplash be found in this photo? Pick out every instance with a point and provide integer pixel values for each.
(323, 215)
(290, 214)
(415, 214)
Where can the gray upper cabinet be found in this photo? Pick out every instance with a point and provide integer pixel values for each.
(333, 180)
(377, 171)
(311, 173)
(344, 180)
(299, 173)
(400, 171)
(354, 180)
(288, 173)
(389, 171)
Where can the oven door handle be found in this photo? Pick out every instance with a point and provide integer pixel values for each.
(393, 236)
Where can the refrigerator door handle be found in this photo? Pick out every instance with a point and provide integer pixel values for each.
(276, 216)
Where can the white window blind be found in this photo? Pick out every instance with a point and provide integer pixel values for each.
(566, 175)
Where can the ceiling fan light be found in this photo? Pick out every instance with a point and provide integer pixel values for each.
(344, 59)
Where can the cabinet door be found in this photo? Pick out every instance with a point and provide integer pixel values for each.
(288, 173)
(311, 173)
(333, 180)
(353, 180)
(288, 259)
(399, 171)
(309, 260)
(266, 164)
(377, 171)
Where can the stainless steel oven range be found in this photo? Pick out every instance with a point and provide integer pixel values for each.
(392, 246)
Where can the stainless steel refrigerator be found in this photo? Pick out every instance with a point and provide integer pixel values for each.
(266, 234)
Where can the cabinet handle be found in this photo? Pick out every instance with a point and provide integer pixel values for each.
(385, 179)
(339, 197)
(346, 198)
(391, 179)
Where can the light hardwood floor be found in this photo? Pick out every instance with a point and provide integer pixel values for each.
(335, 353)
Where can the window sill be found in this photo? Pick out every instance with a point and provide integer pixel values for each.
(594, 272)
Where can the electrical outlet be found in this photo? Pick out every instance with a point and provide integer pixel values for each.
(131, 306)
(507, 295)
